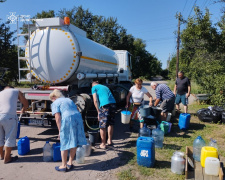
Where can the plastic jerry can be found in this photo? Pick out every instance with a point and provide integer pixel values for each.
(212, 166)
(56, 152)
(184, 121)
(165, 126)
(23, 145)
(208, 151)
(145, 151)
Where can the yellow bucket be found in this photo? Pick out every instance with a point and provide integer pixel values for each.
(208, 151)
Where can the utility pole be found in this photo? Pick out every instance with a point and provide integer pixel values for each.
(178, 44)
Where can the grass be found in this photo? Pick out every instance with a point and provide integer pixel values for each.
(176, 140)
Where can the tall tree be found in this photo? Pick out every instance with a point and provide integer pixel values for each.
(8, 52)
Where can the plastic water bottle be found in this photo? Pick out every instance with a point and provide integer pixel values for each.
(213, 143)
(87, 148)
(47, 152)
(145, 131)
(197, 146)
(158, 136)
(80, 155)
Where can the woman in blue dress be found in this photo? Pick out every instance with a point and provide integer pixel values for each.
(70, 126)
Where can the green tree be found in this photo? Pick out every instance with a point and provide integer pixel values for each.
(8, 52)
(202, 54)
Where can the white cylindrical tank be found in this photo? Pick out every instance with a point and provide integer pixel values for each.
(56, 58)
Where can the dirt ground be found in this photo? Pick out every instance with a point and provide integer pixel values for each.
(101, 165)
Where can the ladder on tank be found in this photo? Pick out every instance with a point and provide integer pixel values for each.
(26, 59)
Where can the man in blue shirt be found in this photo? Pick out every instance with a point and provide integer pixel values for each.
(106, 112)
(164, 94)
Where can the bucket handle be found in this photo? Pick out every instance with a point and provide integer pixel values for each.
(126, 111)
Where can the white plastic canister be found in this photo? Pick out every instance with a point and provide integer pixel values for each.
(212, 166)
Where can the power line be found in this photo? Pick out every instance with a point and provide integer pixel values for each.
(192, 7)
(185, 5)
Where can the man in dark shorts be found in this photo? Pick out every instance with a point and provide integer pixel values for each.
(164, 94)
(182, 91)
(106, 112)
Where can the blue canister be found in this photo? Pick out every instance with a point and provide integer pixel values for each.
(145, 151)
(18, 130)
(56, 152)
(23, 145)
(184, 121)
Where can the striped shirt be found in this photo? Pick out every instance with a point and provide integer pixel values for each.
(163, 92)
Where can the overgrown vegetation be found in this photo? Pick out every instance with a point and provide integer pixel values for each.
(176, 140)
(202, 54)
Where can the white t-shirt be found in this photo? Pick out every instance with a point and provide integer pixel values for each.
(137, 95)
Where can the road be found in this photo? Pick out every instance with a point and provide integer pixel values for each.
(101, 165)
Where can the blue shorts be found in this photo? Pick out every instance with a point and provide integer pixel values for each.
(181, 99)
(8, 130)
(107, 115)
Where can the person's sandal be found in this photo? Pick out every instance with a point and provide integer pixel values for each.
(69, 167)
(12, 159)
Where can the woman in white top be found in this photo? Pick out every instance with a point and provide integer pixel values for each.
(135, 99)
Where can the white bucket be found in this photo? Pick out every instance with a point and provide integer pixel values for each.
(125, 117)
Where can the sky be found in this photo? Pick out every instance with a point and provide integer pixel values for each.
(153, 21)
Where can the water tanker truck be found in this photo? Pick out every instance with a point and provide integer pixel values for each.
(60, 56)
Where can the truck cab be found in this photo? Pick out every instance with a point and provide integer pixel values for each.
(125, 67)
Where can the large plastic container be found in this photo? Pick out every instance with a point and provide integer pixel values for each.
(145, 131)
(18, 131)
(165, 127)
(80, 155)
(213, 143)
(47, 152)
(23, 145)
(177, 162)
(125, 117)
(208, 151)
(197, 146)
(87, 148)
(184, 121)
(145, 151)
(56, 152)
(158, 136)
(212, 166)
(145, 110)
